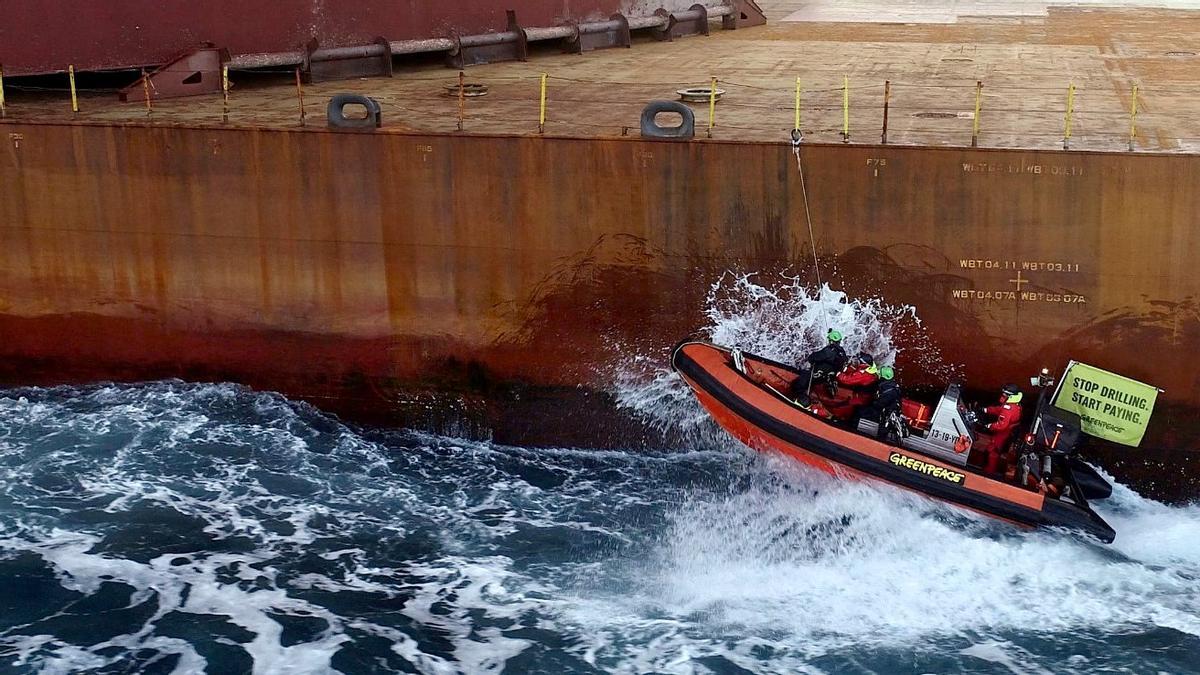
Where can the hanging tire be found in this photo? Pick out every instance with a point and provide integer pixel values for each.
(652, 129)
(336, 112)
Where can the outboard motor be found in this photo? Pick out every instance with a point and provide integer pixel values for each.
(1049, 451)
(1057, 432)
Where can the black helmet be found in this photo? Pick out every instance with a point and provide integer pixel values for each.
(865, 357)
(1010, 390)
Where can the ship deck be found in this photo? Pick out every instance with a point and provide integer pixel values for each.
(931, 54)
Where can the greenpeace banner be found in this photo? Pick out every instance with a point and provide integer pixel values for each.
(1109, 406)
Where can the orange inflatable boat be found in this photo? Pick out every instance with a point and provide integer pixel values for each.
(749, 396)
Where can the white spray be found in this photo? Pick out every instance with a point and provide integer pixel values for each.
(777, 316)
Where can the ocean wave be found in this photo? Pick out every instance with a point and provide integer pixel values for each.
(180, 527)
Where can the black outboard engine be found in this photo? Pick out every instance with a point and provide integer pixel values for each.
(1049, 459)
(1057, 432)
(1048, 450)
(1050, 455)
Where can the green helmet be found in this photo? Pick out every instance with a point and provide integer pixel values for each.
(834, 336)
(886, 373)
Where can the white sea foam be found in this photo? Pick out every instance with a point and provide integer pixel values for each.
(815, 566)
(1150, 531)
(805, 566)
(1007, 655)
(462, 557)
(782, 318)
(226, 497)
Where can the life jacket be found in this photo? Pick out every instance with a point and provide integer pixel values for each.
(859, 377)
(861, 381)
(1007, 415)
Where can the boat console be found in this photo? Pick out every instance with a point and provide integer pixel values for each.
(946, 435)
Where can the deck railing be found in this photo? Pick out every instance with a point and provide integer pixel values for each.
(1085, 115)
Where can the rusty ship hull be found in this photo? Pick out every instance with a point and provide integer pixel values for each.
(422, 275)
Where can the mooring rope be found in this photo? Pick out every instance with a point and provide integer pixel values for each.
(797, 141)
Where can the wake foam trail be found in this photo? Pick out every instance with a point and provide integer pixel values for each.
(806, 567)
(781, 318)
(1150, 531)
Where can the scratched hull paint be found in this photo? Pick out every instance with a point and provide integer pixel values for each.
(376, 274)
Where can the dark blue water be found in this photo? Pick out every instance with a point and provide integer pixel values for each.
(182, 528)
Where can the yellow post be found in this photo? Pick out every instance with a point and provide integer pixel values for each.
(462, 98)
(712, 106)
(1070, 113)
(975, 120)
(542, 113)
(845, 109)
(224, 93)
(1133, 111)
(74, 98)
(3, 112)
(146, 92)
(797, 127)
(300, 97)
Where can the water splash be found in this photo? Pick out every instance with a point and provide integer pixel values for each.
(779, 317)
(786, 319)
(811, 569)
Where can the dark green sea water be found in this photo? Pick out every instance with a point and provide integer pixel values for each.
(172, 527)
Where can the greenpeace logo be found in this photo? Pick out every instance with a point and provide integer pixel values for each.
(914, 464)
(1103, 424)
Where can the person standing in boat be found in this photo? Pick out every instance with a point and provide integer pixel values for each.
(887, 403)
(829, 360)
(1005, 416)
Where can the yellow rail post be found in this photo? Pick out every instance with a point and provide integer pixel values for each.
(225, 93)
(542, 111)
(712, 106)
(797, 127)
(845, 109)
(1133, 111)
(300, 97)
(74, 97)
(462, 98)
(975, 120)
(1069, 117)
(146, 92)
(3, 110)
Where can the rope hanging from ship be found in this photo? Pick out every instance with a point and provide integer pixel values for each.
(797, 142)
